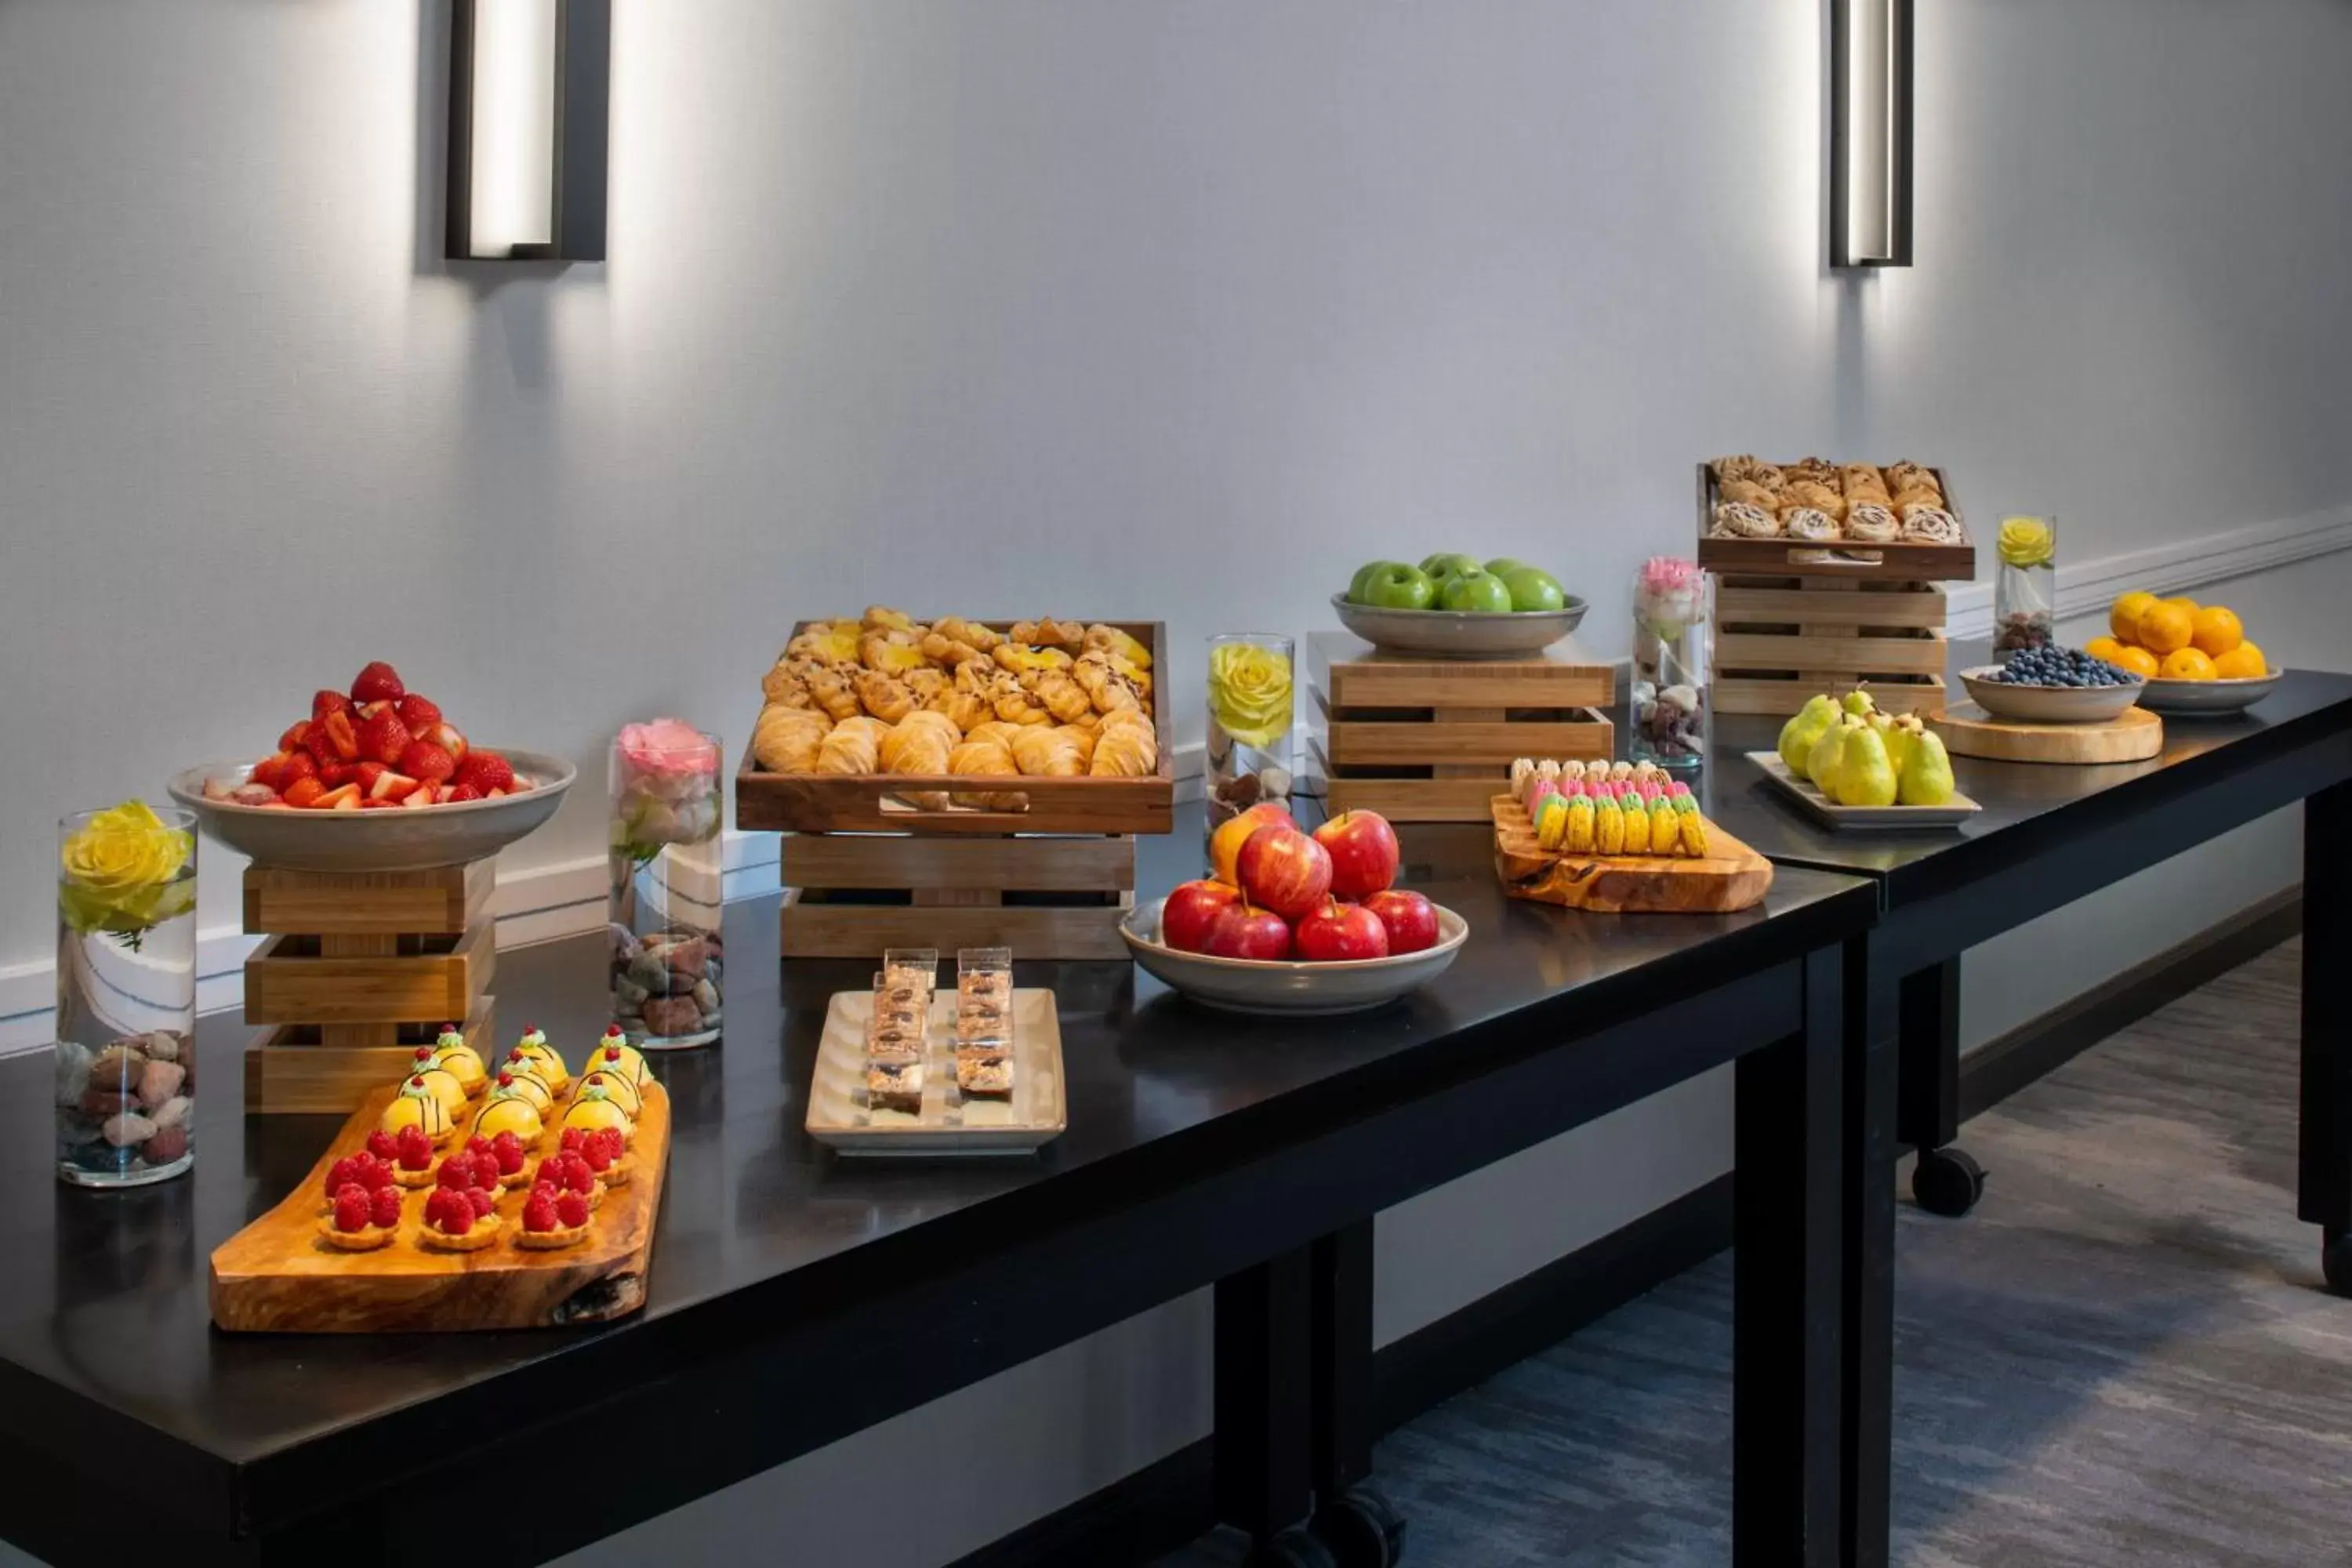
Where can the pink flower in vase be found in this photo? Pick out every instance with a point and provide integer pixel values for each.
(669, 748)
(1668, 594)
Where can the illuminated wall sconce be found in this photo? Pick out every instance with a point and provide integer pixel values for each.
(528, 112)
(1870, 132)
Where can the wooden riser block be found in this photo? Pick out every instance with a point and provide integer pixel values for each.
(289, 1072)
(1349, 673)
(443, 901)
(884, 862)
(1781, 698)
(1358, 743)
(1743, 603)
(814, 929)
(307, 980)
(1416, 800)
(1922, 653)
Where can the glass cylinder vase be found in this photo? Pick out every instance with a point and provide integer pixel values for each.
(1672, 605)
(2025, 590)
(1250, 723)
(126, 1058)
(669, 956)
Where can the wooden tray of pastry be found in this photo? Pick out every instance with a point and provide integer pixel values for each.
(946, 802)
(1840, 558)
(277, 1277)
(1730, 876)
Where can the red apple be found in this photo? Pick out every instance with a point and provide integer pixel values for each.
(1284, 870)
(1339, 932)
(1363, 850)
(1225, 843)
(1409, 920)
(1242, 931)
(1190, 910)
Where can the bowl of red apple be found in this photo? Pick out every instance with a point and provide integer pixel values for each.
(1296, 922)
(376, 779)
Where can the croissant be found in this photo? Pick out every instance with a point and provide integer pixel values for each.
(1013, 705)
(921, 744)
(1069, 635)
(965, 709)
(1064, 697)
(1747, 490)
(1110, 640)
(1049, 752)
(883, 619)
(884, 696)
(785, 739)
(942, 648)
(1820, 498)
(1125, 746)
(1917, 494)
(853, 746)
(1862, 474)
(1770, 477)
(985, 753)
(1733, 468)
(892, 652)
(833, 693)
(971, 634)
(1104, 686)
(1902, 476)
(1820, 469)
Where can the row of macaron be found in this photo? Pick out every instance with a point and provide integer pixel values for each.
(1622, 808)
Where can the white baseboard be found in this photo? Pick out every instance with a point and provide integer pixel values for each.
(546, 902)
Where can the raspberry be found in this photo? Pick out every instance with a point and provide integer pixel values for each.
(456, 1171)
(509, 1149)
(598, 1158)
(538, 1212)
(456, 1218)
(352, 1208)
(416, 1156)
(486, 1172)
(383, 1145)
(613, 1142)
(573, 1139)
(576, 1174)
(342, 1174)
(383, 1208)
(480, 1201)
(477, 1147)
(372, 1172)
(572, 1210)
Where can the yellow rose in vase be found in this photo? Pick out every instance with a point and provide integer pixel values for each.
(1249, 692)
(120, 870)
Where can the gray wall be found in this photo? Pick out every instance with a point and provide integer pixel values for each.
(1173, 308)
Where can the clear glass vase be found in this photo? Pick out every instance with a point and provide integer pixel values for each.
(668, 895)
(1251, 722)
(2025, 590)
(1672, 653)
(126, 1060)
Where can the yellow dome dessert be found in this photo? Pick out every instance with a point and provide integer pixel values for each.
(460, 1060)
(597, 1108)
(623, 1093)
(419, 1104)
(615, 1057)
(441, 1081)
(509, 1109)
(527, 1074)
(534, 1044)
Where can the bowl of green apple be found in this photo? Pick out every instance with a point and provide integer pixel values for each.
(1455, 607)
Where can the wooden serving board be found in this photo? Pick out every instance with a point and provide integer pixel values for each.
(1857, 818)
(2132, 736)
(276, 1276)
(1037, 1112)
(1729, 877)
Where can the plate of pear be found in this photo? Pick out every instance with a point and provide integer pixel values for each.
(1853, 767)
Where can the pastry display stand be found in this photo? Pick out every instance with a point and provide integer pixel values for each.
(2132, 736)
(1793, 618)
(863, 871)
(359, 969)
(1419, 738)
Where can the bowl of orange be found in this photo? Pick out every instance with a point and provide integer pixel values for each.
(2197, 658)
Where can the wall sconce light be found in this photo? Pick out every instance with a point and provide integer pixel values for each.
(1870, 132)
(529, 85)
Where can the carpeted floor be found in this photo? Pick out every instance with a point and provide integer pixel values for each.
(2122, 1357)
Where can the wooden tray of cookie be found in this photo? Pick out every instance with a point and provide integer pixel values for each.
(1897, 549)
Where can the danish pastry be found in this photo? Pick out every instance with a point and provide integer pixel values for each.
(1812, 523)
(1734, 468)
(1745, 520)
(1820, 496)
(1871, 523)
(1931, 525)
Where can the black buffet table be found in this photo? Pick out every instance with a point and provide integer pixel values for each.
(2048, 836)
(797, 1297)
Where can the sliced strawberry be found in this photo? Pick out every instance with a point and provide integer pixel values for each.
(325, 702)
(378, 682)
(446, 736)
(538, 1212)
(345, 798)
(334, 733)
(291, 740)
(299, 766)
(304, 792)
(421, 796)
(486, 770)
(419, 713)
(384, 737)
(270, 772)
(572, 1210)
(383, 1207)
(336, 775)
(366, 773)
(424, 760)
(379, 806)
(456, 792)
(391, 787)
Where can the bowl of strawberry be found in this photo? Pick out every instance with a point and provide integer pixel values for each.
(1296, 924)
(376, 779)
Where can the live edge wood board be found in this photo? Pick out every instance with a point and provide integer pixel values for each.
(1729, 877)
(277, 1277)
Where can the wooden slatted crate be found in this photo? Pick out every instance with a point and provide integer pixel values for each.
(1430, 740)
(851, 895)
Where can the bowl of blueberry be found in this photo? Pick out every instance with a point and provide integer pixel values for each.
(2051, 685)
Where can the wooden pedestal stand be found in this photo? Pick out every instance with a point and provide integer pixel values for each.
(853, 894)
(360, 968)
(1419, 739)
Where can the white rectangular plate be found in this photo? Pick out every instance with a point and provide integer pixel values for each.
(1878, 818)
(948, 1125)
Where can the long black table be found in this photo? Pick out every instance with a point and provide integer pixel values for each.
(2046, 836)
(797, 1297)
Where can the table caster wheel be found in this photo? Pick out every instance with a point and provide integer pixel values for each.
(1947, 1182)
(1361, 1530)
(2335, 1261)
(1294, 1547)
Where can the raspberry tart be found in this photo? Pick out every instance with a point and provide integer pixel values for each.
(362, 1220)
(598, 1104)
(459, 1216)
(552, 1217)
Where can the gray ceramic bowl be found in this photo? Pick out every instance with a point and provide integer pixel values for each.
(2211, 698)
(2048, 704)
(1284, 987)
(1459, 634)
(455, 835)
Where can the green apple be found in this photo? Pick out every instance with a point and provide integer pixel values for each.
(1363, 574)
(1504, 565)
(1394, 585)
(1441, 567)
(1533, 590)
(1476, 589)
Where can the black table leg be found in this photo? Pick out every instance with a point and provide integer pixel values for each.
(1788, 1277)
(1351, 1516)
(1928, 1110)
(1867, 1320)
(1264, 1410)
(2324, 1185)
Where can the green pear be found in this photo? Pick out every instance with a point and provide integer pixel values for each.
(1797, 736)
(1864, 776)
(1899, 734)
(1859, 701)
(1821, 761)
(1928, 775)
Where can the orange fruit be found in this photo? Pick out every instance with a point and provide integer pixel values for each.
(2105, 648)
(2243, 662)
(2140, 661)
(2188, 664)
(2122, 616)
(2214, 630)
(2165, 627)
